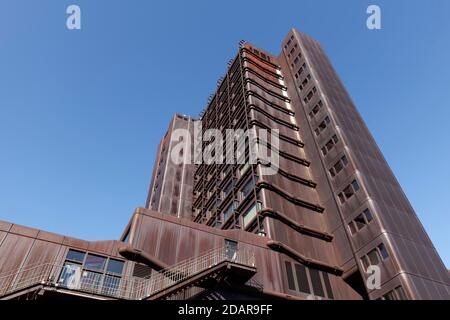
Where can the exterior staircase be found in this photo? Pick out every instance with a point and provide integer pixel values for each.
(202, 271)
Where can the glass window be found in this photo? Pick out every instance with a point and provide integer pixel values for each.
(231, 249)
(355, 185)
(326, 280)
(348, 191)
(95, 262)
(316, 283)
(373, 257)
(227, 189)
(70, 276)
(368, 215)
(249, 215)
(360, 222)
(338, 166)
(335, 139)
(302, 279)
(332, 173)
(365, 262)
(344, 161)
(228, 212)
(244, 169)
(247, 188)
(290, 275)
(401, 293)
(115, 266)
(390, 296)
(383, 251)
(74, 255)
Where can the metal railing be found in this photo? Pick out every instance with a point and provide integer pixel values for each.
(73, 277)
(188, 268)
(68, 276)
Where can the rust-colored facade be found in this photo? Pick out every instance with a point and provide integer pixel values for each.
(229, 231)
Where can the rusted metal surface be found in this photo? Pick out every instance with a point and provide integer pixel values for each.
(300, 219)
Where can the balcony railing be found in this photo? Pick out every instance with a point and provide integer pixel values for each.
(73, 278)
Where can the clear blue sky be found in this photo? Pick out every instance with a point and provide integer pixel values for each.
(81, 112)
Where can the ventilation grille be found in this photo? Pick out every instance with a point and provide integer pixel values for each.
(141, 270)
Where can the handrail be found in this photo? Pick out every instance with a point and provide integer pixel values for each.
(73, 277)
(188, 268)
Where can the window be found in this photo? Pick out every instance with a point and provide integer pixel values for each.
(368, 215)
(70, 275)
(244, 169)
(360, 221)
(348, 191)
(311, 284)
(75, 255)
(95, 262)
(316, 283)
(329, 145)
(323, 125)
(390, 295)
(305, 82)
(311, 94)
(383, 251)
(228, 212)
(247, 188)
(302, 278)
(316, 109)
(365, 261)
(250, 214)
(115, 266)
(338, 166)
(290, 275)
(326, 280)
(231, 249)
(397, 294)
(400, 293)
(373, 257)
(227, 189)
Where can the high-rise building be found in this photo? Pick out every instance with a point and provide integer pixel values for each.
(330, 220)
(171, 185)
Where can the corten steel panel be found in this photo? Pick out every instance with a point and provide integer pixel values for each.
(188, 240)
(76, 243)
(24, 231)
(50, 237)
(389, 206)
(42, 252)
(263, 91)
(13, 251)
(105, 247)
(2, 236)
(171, 186)
(5, 226)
